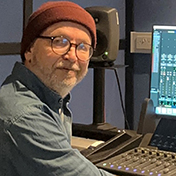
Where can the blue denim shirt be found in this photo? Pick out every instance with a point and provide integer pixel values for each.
(34, 140)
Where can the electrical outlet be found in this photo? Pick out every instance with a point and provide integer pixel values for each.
(141, 42)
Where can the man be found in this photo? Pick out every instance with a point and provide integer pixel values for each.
(35, 121)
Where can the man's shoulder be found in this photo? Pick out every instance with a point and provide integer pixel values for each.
(15, 100)
(17, 94)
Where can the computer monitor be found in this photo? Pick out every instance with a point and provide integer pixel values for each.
(163, 71)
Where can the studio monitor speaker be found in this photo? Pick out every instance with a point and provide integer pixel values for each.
(107, 26)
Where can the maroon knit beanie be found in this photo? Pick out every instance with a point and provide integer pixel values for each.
(53, 12)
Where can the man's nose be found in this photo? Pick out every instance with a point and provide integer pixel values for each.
(72, 56)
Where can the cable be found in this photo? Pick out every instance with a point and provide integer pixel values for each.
(121, 100)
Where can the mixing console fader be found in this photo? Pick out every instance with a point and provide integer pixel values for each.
(142, 161)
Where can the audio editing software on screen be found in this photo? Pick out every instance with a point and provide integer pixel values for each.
(163, 73)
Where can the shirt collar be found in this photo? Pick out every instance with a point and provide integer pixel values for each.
(32, 82)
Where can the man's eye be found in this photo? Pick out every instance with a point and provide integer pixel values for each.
(60, 42)
(83, 47)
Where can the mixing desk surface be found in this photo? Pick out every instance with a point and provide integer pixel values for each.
(142, 161)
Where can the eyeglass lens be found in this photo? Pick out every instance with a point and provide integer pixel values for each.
(61, 46)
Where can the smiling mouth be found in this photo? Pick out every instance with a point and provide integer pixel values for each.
(68, 69)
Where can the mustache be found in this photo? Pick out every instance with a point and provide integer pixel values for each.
(62, 65)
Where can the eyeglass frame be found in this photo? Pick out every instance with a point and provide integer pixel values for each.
(52, 38)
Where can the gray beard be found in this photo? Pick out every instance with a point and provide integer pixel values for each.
(51, 79)
(59, 87)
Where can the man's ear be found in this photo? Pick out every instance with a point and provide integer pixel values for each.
(28, 55)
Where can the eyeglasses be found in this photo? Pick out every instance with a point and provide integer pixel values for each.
(61, 45)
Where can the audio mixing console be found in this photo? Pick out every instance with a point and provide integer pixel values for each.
(142, 161)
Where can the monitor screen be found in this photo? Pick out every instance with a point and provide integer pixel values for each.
(163, 71)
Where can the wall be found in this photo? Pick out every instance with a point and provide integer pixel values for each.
(81, 104)
(147, 13)
(11, 13)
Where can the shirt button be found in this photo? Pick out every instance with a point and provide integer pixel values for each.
(60, 110)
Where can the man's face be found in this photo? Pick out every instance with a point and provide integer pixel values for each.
(59, 72)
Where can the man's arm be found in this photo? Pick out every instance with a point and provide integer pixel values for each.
(41, 147)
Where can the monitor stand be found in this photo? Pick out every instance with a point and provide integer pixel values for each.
(148, 120)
